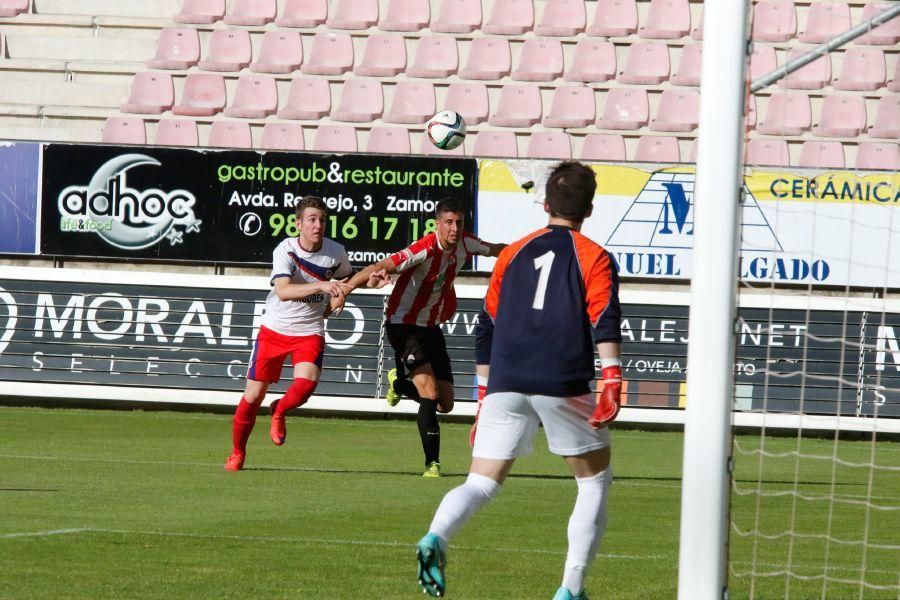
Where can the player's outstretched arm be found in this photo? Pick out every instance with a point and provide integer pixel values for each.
(495, 249)
(609, 399)
(373, 273)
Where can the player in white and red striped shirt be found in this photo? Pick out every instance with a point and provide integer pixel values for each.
(422, 298)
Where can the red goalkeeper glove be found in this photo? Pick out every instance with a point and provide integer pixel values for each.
(609, 398)
(482, 390)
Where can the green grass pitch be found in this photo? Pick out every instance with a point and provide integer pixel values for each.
(114, 504)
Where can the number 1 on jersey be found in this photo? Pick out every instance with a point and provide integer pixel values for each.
(542, 263)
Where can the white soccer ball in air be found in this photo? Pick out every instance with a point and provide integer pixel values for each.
(446, 130)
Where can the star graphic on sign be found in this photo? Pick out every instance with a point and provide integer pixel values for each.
(174, 236)
(193, 226)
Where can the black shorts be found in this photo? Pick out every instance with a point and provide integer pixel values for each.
(415, 346)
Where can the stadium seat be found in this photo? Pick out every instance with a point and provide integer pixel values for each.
(822, 155)
(255, 97)
(384, 56)
(893, 83)
(200, 11)
(11, 8)
(176, 132)
(786, 114)
(774, 21)
(886, 34)
(308, 99)
(689, 66)
(230, 134)
(540, 60)
(282, 136)
(362, 100)
(436, 57)
(887, 119)
(406, 15)
(572, 106)
(603, 146)
(254, 13)
(594, 61)
(414, 102)
(654, 148)
(457, 16)
(203, 95)
(625, 108)
(228, 50)
(750, 112)
(863, 69)
(697, 30)
(335, 138)
(388, 140)
(842, 116)
(331, 54)
(824, 21)
(303, 13)
(496, 144)
(878, 155)
(811, 76)
(549, 144)
(679, 110)
(667, 19)
(470, 100)
(767, 153)
(151, 93)
(280, 52)
(426, 148)
(489, 58)
(176, 48)
(510, 17)
(562, 18)
(519, 106)
(647, 64)
(614, 18)
(353, 14)
(763, 60)
(124, 130)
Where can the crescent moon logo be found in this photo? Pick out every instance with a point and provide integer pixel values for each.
(12, 317)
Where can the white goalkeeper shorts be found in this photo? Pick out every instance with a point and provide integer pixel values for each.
(509, 420)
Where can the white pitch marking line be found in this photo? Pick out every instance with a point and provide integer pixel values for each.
(50, 532)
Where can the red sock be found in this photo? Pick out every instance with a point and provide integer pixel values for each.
(296, 395)
(242, 425)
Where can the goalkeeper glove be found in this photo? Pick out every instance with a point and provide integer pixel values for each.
(609, 398)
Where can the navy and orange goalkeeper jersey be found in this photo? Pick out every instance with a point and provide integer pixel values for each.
(554, 294)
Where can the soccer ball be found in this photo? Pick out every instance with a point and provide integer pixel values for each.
(446, 130)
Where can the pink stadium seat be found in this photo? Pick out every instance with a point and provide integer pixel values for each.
(647, 64)
(281, 51)
(228, 50)
(878, 155)
(11, 8)
(887, 119)
(426, 148)
(812, 76)
(406, 15)
(842, 116)
(658, 149)
(176, 48)
(174, 132)
(594, 61)
(863, 69)
(614, 18)
(786, 114)
(414, 102)
(667, 19)
(541, 60)
(388, 140)
(697, 30)
(361, 101)
(251, 12)
(565, 18)
(886, 34)
(200, 11)
(894, 82)
(282, 136)
(230, 134)
(679, 110)
(331, 54)
(255, 97)
(763, 60)
(573, 106)
(767, 153)
(458, 16)
(384, 56)
(519, 106)
(151, 94)
(335, 138)
(353, 14)
(690, 66)
(625, 108)
(774, 21)
(308, 99)
(124, 130)
(203, 95)
(603, 146)
(436, 57)
(470, 100)
(489, 58)
(510, 17)
(824, 21)
(824, 155)
(546, 144)
(303, 13)
(496, 144)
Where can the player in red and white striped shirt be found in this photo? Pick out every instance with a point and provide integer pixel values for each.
(422, 298)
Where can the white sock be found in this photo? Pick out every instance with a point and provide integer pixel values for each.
(586, 527)
(460, 503)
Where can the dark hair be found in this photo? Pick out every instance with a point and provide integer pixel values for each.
(309, 202)
(570, 190)
(453, 205)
